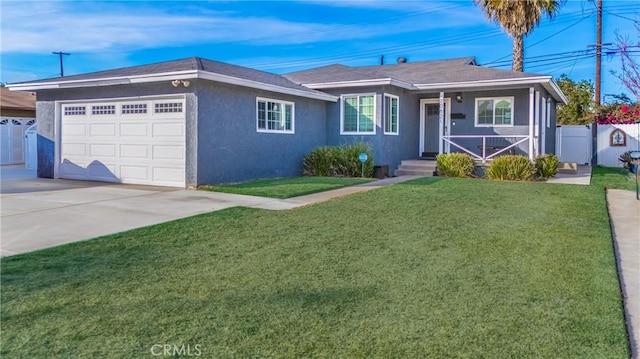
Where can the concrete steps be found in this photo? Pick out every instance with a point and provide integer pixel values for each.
(416, 168)
(567, 168)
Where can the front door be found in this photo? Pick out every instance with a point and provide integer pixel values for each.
(430, 127)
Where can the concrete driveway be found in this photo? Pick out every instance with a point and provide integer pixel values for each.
(40, 213)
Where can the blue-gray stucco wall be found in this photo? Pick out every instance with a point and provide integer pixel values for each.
(387, 149)
(230, 149)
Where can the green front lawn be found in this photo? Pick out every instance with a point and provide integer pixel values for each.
(432, 268)
(288, 187)
(613, 177)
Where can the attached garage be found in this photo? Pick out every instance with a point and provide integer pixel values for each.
(181, 123)
(125, 141)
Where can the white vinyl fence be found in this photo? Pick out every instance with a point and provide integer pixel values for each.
(608, 155)
(573, 144)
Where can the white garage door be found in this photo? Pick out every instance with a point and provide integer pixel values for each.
(138, 142)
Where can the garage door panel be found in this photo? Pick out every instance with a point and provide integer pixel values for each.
(102, 129)
(134, 152)
(75, 129)
(168, 130)
(109, 146)
(134, 129)
(72, 168)
(99, 170)
(74, 149)
(102, 150)
(164, 174)
(137, 173)
(164, 152)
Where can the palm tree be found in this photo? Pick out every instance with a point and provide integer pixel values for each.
(518, 18)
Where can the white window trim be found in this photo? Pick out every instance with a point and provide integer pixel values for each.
(384, 115)
(547, 110)
(375, 119)
(495, 99)
(281, 102)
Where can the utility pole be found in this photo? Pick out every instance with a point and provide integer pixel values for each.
(60, 53)
(598, 52)
(598, 46)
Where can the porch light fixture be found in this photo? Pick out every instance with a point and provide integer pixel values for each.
(177, 83)
(459, 97)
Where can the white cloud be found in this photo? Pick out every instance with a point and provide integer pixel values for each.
(37, 27)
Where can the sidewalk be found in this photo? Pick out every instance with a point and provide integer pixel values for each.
(582, 177)
(624, 211)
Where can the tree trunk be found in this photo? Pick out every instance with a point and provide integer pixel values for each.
(518, 53)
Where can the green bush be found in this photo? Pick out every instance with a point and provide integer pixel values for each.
(511, 168)
(546, 166)
(455, 165)
(319, 162)
(340, 161)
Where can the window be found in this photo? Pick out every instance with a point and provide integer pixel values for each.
(74, 110)
(167, 107)
(274, 116)
(494, 112)
(433, 110)
(390, 114)
(134, 108)
(103, 110)
(358, 114)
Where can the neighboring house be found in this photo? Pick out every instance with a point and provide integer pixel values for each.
(195, 121)
(17, 114)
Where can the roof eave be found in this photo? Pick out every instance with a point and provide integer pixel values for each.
(169, 76)
(546, 81)
(212, 76)
(360, 83)
(107, 81)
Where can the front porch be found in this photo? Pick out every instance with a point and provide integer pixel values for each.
(486, 124)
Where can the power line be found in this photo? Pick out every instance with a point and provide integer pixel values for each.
(620, 16)
(546, 38)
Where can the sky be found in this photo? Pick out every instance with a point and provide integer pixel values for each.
(286, 36)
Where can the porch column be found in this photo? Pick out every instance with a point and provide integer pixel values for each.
(531, 121)
(440, 122)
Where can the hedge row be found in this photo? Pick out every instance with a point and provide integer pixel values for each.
(507, 167)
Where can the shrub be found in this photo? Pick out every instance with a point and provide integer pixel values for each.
(626, 159)
(511, 168)
(341, 161)
(455, 165)
(319, 162)
(546, 166)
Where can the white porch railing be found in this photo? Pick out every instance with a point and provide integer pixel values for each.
(495, 150)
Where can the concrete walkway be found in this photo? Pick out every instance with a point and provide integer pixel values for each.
(41, 213)
(624, 211)
(583, 177)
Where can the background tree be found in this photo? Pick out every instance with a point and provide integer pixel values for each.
(518, 18)
(579, 110)
(630, 75)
